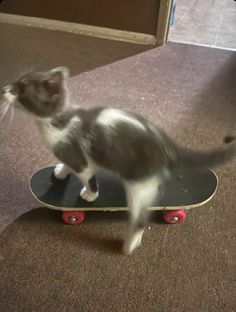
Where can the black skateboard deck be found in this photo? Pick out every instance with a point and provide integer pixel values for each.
(188, 188)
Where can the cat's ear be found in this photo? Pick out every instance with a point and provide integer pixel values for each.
(56, 77)
(54, 82)
(65, 72)
(53, 85)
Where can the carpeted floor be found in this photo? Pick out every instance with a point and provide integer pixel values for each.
(25, 48)
(49, 266)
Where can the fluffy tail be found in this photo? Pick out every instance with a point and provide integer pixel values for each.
(209, 159)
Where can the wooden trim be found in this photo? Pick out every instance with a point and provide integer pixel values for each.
(163, 21)
(80, 29)
(203, 45)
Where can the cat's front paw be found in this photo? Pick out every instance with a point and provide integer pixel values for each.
(61, 171)
(88, 195)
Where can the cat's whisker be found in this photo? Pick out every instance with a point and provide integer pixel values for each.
(11, 112)
(3, 102)
(3, 113)
(4, 109)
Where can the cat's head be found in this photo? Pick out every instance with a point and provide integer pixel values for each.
(40, 93)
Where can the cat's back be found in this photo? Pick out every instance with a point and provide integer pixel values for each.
(124, 141)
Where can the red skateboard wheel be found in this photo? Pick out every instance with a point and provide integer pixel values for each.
(73, 217)
(174, 216)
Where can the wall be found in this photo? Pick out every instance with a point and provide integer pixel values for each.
(131, 15)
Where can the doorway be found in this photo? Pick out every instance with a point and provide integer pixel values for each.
(210, 23)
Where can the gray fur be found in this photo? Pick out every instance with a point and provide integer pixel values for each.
(140, 155)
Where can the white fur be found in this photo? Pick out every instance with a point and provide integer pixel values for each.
(61, 171)
(54, 135)
(63, 69)
(87, 195)
(110, 117)
(133, 241)
(140, 195)
(11, 98)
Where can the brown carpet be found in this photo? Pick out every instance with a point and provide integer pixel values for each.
(49, 266)
(24, 48)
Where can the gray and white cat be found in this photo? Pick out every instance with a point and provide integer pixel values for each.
(125, 143)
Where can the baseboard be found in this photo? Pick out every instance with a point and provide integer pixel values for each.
(202, 45)
(81, 29)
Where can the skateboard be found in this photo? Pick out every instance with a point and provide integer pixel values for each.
(187, 188)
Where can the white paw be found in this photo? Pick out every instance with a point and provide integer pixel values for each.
(61, 171)
(133, 242)
(88, 195)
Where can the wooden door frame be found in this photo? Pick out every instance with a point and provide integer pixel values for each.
(163, 22)
(157, 39)
(80, 29)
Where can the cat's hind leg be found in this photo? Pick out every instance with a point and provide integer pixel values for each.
(140, 195)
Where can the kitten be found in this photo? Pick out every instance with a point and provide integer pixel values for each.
(83, 140)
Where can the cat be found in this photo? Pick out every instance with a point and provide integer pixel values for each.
(136, 150)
